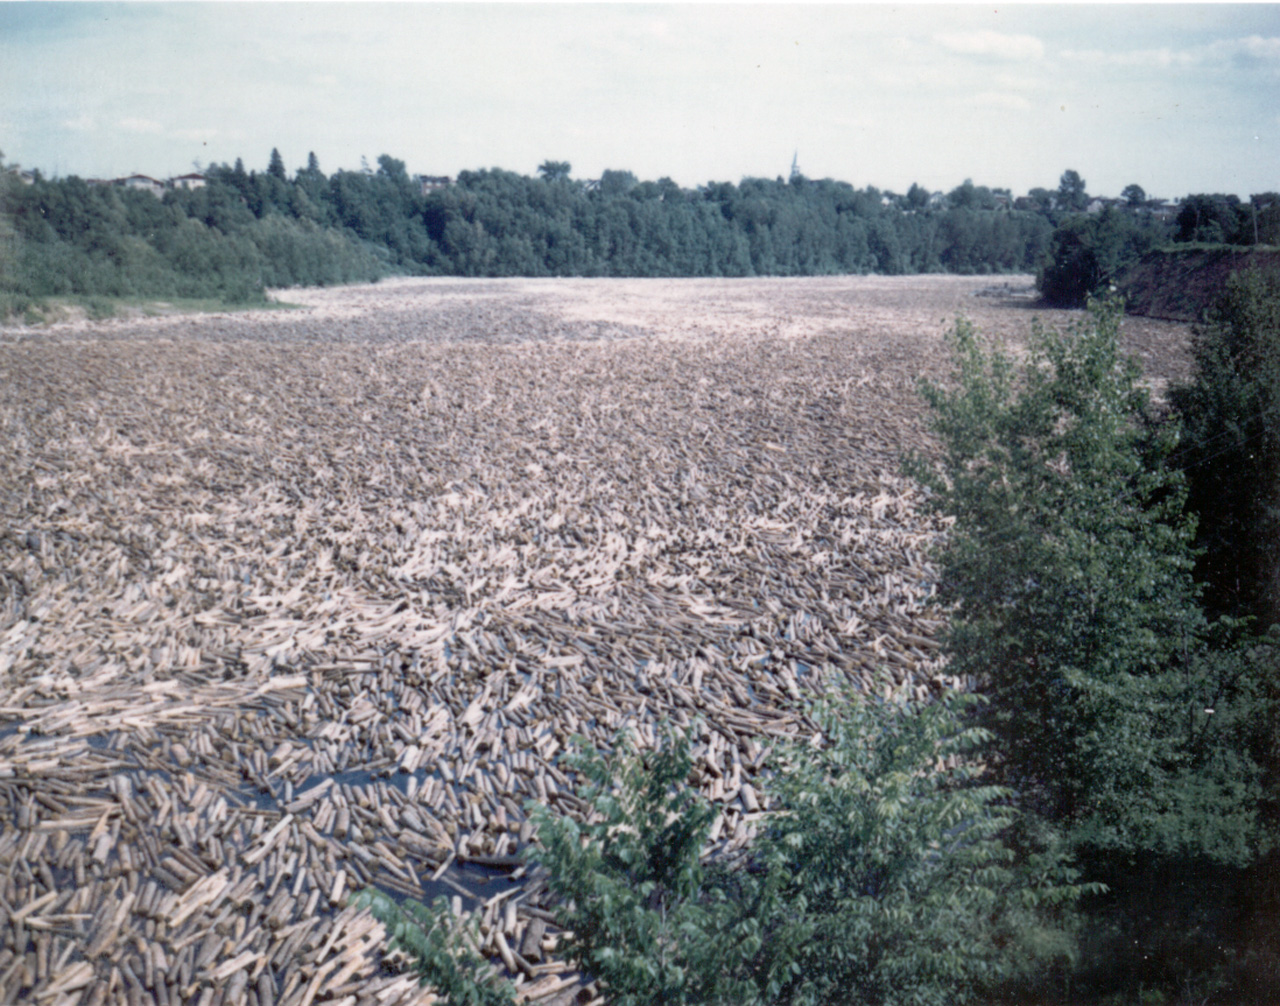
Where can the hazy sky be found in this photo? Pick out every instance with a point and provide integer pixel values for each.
(1178, 98)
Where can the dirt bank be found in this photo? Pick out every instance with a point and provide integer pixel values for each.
(1179, 284)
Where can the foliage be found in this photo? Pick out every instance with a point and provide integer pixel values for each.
(645, 920)
(1214, 218)
(1069, 569)
(246, 230)
(881, 876)
(887, 866)
(1230, 447)
(1086, 254)
(443, 951)
(1071, 192)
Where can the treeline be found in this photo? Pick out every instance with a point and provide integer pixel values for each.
(244, 230)
(1089, 252)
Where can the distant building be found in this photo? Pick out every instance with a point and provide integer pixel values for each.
(1167, 210)
(430, 183)
(144, 183)
(191, 181)
(26, 177)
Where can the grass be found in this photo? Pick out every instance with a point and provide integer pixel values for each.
(19, 309)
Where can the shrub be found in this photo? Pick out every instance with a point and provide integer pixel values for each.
(881, 877)
(1069, 569)
(1087, 253)
(1230, 447)
(646, 922)
(443, 951)
(889, 873)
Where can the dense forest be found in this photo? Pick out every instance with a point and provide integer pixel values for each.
(245, 231)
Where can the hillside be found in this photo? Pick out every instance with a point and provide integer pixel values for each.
(1178, 283)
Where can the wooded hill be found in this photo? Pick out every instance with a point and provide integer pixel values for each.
(244, 231)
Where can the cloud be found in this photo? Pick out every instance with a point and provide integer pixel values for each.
(992, 43)
(1153, 58)
(1252, 48)
(81, 124)
(140, 126)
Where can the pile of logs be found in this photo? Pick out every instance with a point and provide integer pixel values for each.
(290, 607)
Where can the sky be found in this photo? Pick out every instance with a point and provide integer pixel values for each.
(1178, 98)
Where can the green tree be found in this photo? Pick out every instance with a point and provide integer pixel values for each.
(554, 171)
(1087, 253)
(1069, 569)
(275, 168)
(1072, 196)
(616, 183)
(1230, 447)
(1134, 195)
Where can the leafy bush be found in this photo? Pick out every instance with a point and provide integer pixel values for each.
(888, 870)
(1121, 713)
(443, 951)
(646, 922)
(1070, 571)
(1088, 252)
(881, 876)
(1230, 447)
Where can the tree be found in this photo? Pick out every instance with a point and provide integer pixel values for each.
(1134, 195)
(1087, 253)
(1230, 447)
(554, 171)
(1069, 569)
(275, 168)
(615, 183)
(1071, 192)
(390, 167)
(917, 197)
(1214, 219)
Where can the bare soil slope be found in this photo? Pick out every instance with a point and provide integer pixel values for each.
(1178, 285)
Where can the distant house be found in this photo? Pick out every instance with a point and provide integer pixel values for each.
(430, 183)
(191, 181)
(26, 177)
(144, 183)
(1002, 200)
(1167, 210)
(1098, 204)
